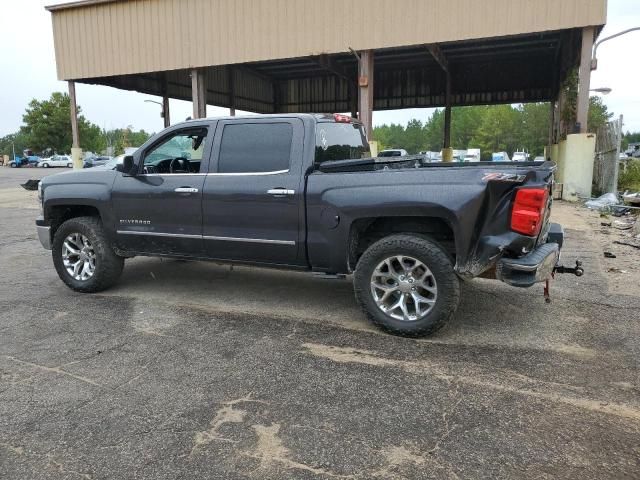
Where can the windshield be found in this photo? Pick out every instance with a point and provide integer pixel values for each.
(340, 141)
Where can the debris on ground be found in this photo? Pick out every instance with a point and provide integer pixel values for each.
(609, 255)
(30, 184)
(626, 224)
(603, 202)
(633, 198)
(616, 270)
(634, 245)
(619, 211)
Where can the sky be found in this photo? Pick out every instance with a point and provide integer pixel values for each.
(28, 71)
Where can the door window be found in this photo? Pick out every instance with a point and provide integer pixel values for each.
(179, 153)
(255, 148)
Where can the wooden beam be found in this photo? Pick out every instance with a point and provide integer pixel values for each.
(447, 114)
(166, 116)
(584, 73)
(365, 90)
(231, 79)
(438, 56)
(199, 92)
(73, 110)
(326, 62)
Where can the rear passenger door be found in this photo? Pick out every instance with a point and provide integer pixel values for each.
(252, 197)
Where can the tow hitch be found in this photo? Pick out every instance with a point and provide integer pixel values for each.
(578, 271)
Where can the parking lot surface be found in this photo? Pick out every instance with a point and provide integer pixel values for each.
(197, 370)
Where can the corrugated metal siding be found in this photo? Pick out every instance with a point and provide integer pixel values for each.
(136, 36)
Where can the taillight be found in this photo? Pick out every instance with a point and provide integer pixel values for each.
(528, 210)
(339, 118)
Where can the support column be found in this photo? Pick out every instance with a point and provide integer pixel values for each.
(365, 90)
(165, 103)
(552, 122)
(560, 123)
(277, 98)
(447, 151)
(582, 105)
(353, 99)
(231, 80)
(199, 93)
(76, 151)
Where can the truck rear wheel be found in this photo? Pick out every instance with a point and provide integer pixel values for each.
(406, 285)
(82, 255)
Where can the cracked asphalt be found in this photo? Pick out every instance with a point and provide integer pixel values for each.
(196, 370)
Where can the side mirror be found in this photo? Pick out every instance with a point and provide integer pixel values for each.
(127, 166)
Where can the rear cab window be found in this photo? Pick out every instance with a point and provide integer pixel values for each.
(255, 148)
(340, 141)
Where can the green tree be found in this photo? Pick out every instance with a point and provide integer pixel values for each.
(534, 123)
(499, 131)
(47, 125)
(598, 113)
(121, 138)
(13, 140)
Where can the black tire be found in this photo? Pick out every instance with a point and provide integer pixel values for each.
(69, 165)
(45, 165)
(13, 165)
(433, 257)
(108, 265)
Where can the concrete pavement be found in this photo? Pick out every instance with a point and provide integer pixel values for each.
(195, 370)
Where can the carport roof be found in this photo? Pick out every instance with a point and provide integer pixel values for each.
(294, 55)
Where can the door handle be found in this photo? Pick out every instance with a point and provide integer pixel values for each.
(186, 190)
(280, 192)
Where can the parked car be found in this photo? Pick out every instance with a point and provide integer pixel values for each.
(56, 161)
(633, 150)
(500, 157)
(472, 155)
(299, 192)
(393, 152)
(520, 157)
(28, 161)
(90, 162)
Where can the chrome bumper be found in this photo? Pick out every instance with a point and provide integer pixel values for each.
(44, 235)
(533, 268)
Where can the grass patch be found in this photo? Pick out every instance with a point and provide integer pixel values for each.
(630, 180)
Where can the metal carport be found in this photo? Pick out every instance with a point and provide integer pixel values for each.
(270, 56)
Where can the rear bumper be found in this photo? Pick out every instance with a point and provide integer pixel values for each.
(535, 267)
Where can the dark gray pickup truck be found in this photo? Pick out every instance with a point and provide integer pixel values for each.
(301, 192)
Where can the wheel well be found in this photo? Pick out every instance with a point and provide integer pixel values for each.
(367, 231)
(59, 214)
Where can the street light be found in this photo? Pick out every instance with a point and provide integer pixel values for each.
(157, 103)
(594, 59)
(162, 111)
(602, 90)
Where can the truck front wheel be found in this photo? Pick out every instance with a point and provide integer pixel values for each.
(406, 285)
(82, 255)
